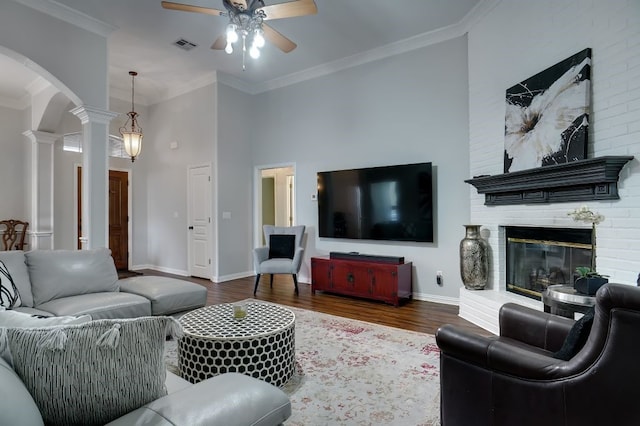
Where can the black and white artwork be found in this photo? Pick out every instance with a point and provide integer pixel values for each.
(547, 117)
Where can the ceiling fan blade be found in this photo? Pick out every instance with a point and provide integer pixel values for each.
(278, 39)
(189, 8)
(290, 9)
(220, 43)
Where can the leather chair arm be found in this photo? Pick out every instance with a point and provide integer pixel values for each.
(463, 344)
(536, 328)
(498, 354)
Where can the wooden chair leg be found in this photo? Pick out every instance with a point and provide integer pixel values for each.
(295, 282)
(271, 283)
(256, 286)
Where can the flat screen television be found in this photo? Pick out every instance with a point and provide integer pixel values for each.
(378, 203)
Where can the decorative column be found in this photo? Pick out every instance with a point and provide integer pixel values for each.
(41, 204)
(95, 175)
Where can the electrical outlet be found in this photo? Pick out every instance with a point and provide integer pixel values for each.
(439, 277)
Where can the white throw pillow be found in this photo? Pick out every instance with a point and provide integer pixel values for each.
(9, 296)
(10, 318)
(99, 370)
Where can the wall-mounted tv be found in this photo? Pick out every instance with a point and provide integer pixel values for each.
(377, 203)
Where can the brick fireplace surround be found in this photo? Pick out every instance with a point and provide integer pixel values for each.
(519, 48)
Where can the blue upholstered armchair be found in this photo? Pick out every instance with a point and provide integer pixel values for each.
(282, 254)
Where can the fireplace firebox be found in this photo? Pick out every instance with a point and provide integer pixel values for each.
(539, 257)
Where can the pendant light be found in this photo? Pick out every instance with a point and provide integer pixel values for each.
(132, 133)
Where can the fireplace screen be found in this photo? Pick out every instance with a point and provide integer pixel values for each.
(539, 257)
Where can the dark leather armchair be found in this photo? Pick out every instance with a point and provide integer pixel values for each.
(512, 379)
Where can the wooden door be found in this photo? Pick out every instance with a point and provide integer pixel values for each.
(118, 216)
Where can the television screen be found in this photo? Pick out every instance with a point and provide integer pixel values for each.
(378, 203)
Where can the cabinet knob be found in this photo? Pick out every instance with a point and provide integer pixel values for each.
(350, 277)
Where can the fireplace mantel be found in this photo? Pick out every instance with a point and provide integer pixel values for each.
(583, 180)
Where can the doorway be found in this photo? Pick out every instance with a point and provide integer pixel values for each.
(118, 216)
(275, 200)
(199, 218)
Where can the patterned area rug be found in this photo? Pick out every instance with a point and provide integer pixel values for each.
(357, 373)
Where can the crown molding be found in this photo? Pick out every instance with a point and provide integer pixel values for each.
(182, 89)
(236, 83)
(416, 42)
(477, 13)
(458, 29)
(71, 16)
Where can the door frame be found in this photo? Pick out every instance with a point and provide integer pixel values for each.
(129, 172)
(257, 198)
(210, 227)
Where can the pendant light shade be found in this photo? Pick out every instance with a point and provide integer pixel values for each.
(131, 132)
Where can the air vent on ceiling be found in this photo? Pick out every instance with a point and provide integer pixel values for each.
(185, 44)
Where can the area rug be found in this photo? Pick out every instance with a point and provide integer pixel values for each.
(357, 373)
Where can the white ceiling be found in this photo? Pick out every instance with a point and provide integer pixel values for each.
(343, 32)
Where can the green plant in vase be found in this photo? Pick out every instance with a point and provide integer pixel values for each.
(589, 280)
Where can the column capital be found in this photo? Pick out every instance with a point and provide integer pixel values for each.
(37, 136)
(88, 114)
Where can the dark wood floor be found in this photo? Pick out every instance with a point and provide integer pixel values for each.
(414, 315)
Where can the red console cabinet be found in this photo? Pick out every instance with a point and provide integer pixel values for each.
(369, 279)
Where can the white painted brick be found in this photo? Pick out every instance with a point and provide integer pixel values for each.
(554, 30)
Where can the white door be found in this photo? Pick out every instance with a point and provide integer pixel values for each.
(199, 212)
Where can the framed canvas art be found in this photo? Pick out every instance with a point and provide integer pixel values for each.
(547, 116)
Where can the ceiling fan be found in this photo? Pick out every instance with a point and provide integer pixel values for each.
(246, 22)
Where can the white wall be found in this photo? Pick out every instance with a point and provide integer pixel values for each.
(236, 127)
(160, 187)
(79, 70)
(403, 109)
(519, 39)
(13, 151)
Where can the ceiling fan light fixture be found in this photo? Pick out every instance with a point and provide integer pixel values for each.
(131, 132)
(254, 52)
(258, 38)
(232, 35)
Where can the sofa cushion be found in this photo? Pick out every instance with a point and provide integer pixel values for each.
(99, 370)
(17, 407)
(9, 296)
(108, 305)
(61, 273)
(15, 262)
(239, 400)
(167, 295)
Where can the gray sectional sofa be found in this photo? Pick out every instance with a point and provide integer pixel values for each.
(70, 282)
(60, 283)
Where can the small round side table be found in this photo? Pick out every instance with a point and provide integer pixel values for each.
(564, 300)
(261, 345)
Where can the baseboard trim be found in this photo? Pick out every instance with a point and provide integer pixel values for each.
(180, 272)
(229, 277)
(446, 300)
